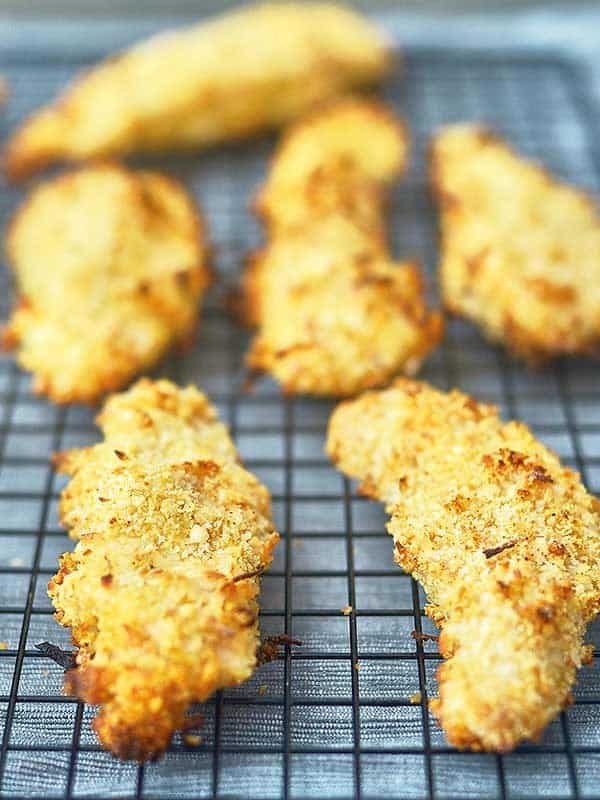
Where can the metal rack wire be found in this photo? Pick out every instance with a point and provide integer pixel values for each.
(337, 717)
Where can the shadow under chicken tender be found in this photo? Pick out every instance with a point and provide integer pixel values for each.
(220, 80)
(335, 314)
(520, 250)
(160, 592)
(110, 268)
(504, 539)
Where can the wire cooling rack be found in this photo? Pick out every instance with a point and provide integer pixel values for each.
(339, 717)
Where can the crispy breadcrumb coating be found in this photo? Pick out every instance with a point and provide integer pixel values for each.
(160, 592)
(504, 539)
(335, 160)
(224, 79)
(520, 250)
(336, 315)
(110, 268)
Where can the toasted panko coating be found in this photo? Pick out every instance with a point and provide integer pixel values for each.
(504, 539)
(225, 79)
(110, 267)
(520, 250)
(336, 315)
(160, 592)
(336, 160)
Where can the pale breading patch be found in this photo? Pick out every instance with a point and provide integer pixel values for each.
(504, 539)
(230, 77)
(160, 592)
(110, 267)
(520, 250)
(335, 314)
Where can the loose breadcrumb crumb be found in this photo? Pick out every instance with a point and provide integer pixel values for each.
(346, 610)
(415, 698)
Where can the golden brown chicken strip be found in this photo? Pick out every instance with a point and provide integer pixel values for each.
(336, 315)
(520, 250)
(160, 592)
(504, 539)
(224, 79)
(110, 268)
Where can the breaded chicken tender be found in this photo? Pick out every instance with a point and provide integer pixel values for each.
(520, 250)
(110, 267)
(221, 80)
(160, 592)
(336, 315)
(504, 539)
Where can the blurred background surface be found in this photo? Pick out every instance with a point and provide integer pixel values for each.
(103, 7)
(101, 25)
